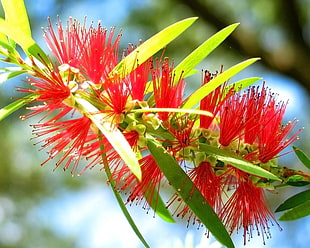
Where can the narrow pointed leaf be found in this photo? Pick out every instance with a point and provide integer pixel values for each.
(302, 157)
(294, 201)
(114, 136)
(297, 212)
(8, 73)
(189, 193)
(11, 108)
(16, 26)
(16, 16)
(123, 207)
(201, 52)
(204, 90)
(235, 161)
(151, 46)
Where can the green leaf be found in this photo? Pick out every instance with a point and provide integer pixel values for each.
(10, 72)
(11, 108)
(189, 193)
(294, 201)
(204, 90)
(16, 26)
(297, 212)
(235, 161)
(302, 157)
(123, 206)
(16, 16)
(201, 52)
(114, 136)
(173, 110)
(151, 46)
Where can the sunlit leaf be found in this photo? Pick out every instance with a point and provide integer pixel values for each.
(235, 161)
(11, 108)
(201, 52)
(113, 135)
(189, 193)
(294, 201)
(302, 157)
(297, 212)
(204, 90)
(8, 73)
(151, 46)
(16, 26)
(173, 110)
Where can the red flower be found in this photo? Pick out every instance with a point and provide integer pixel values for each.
(91, 50)
(70, 137)
(181, 128)
(273, 137)
(51, 90)
(209, 184)
(138, 79)
(167, 92)
(247, 209)
(213, 101)
(232, 118)
(147, 188)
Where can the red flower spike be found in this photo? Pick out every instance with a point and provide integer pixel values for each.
(66, 44)
(99, 53)
(213, 101)
(167, 94)
(138, 79)
(70, 136)
(246, 209)
(51, 90)
(91, 50)
(255, 105)
(273, 137)
(232, 118)
(116, 96)
(181, 127)
(147, 187)
(209, 184)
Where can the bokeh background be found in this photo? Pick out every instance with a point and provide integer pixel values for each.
(40, 207)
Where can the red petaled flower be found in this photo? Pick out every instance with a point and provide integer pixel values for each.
(213, 101)
(181, 128)
(138, 79)
(148, 187)
(70, 137)
(232, 118)
(246, 208)
(91, 50)
(209, 184)
(273, 137)
(168, 90)
(115, 96)
(65, 44)
(51, 90)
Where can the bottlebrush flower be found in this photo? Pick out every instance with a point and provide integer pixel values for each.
(148, 188)
(90, 50)
(209, 184)
(246, 208)
(213, 101)
(167, 92)
(69, 137)
(52, 91)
